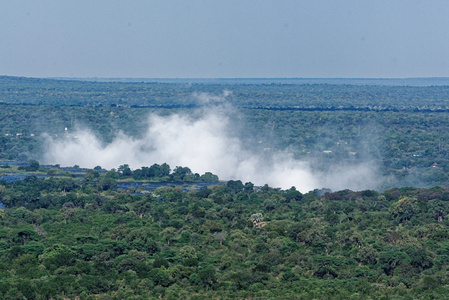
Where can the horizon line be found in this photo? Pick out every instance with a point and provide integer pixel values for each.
(226, 78)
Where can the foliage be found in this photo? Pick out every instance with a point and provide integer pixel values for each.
(85, 237)
(78, 239)
(402, 129)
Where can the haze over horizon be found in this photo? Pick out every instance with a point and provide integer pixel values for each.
(232, 39)
(423, 81)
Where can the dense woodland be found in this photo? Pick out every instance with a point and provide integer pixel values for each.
(81, 237)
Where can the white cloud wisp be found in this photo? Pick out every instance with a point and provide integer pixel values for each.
(205, 142)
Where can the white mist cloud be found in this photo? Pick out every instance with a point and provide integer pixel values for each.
(204, 141)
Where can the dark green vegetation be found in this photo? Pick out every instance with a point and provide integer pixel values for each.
(66, 238)
(401, 129)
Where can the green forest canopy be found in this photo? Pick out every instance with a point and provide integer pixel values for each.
(68, 237)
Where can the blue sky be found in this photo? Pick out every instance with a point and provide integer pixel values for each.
(225, 39)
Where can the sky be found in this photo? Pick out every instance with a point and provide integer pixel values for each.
(225, 39)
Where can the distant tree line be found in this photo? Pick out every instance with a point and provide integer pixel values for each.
(163, 173)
